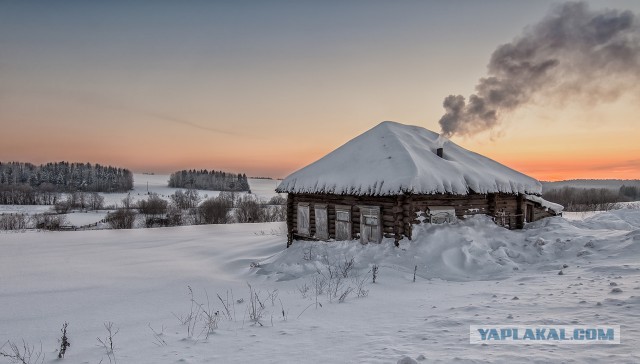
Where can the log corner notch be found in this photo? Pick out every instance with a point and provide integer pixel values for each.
(403, 214)
(290, 211)
(398, 225)
(520, 199)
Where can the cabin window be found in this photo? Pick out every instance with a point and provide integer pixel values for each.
(322, 222)
(370, 229)
(441, 214)
(343, 222)
(303, 219)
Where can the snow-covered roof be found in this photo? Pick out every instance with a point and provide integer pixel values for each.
(554, 207)
(393, 158)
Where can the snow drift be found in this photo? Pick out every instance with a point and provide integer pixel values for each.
(472, 249)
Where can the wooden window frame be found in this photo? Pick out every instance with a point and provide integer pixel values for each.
(298, 219)
(441, 214)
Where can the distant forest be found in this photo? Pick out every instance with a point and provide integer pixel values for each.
(591, 199)
(28, 184)
(209, 180)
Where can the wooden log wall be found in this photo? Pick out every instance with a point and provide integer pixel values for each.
(540, 212)
(399, 213)
(506, 210)
(464, 206)
(386, 204)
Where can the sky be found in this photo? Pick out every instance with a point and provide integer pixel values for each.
(267, 87)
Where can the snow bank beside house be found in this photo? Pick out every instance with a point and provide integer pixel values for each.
(468, 250)
(393, 158)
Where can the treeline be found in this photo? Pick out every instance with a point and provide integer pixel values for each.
(589, 199)
(629, 193)
(209, 180)
(28, 184)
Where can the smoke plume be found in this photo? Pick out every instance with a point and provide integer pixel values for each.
(572, 52)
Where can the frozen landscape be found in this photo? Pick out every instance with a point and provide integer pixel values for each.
(471, 272)
(152, 274)
(143, 185)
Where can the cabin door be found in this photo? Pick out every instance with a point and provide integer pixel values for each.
(343, 222)
(370, 224)
(322, 226)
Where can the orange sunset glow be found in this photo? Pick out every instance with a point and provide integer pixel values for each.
(267, 89)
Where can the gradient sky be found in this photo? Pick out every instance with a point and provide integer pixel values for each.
(267, 87)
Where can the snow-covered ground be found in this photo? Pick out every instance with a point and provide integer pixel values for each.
(468, 273)
(157, 183)
(143, 184)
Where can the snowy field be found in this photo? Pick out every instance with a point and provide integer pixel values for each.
(157, 183)
(143, 184)
(468, 273)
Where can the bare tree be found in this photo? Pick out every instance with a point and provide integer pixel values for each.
(95, 201)
(127, 202)
(249, 210)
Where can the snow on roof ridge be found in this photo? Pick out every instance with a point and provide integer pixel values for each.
(393, 158)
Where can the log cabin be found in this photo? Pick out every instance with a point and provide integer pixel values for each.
(381, 183)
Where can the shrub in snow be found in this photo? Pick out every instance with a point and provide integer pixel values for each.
(202, 317)
(13, 221)
(64, 341)
(275, 213)
(374, 273)
(121, 219)
(214, 211)
(158, 339)
(229, 197)
(48, 221)
(256, 307)
(61, 207)
(191, 318)
(154, 206)
(25, 354)
(277, 200)
(361, 283)
(174, 216)
(107, 342)
(249, 210)
(186, 200)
